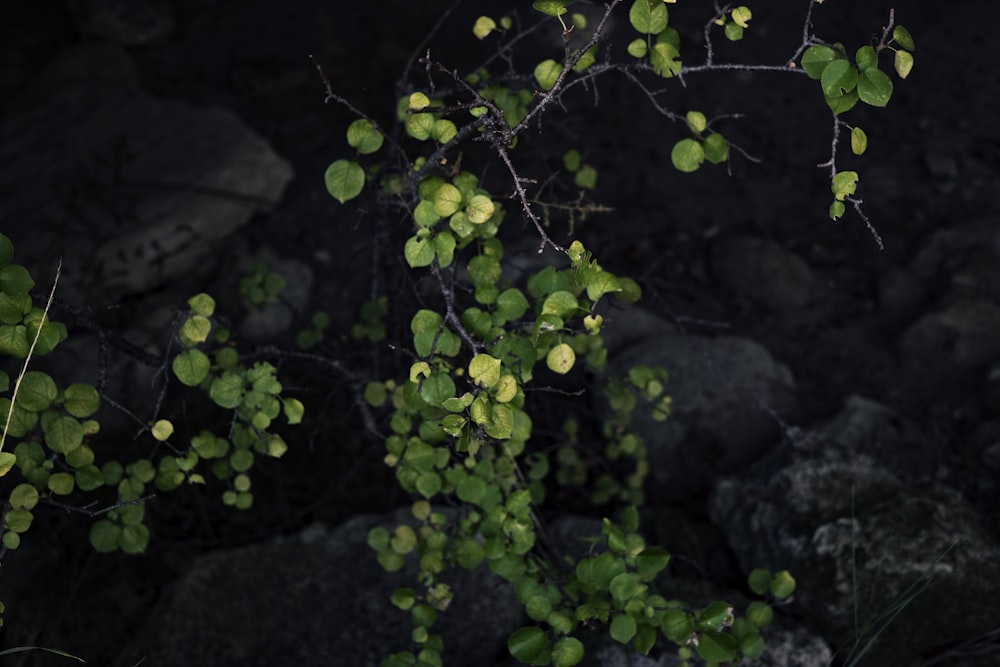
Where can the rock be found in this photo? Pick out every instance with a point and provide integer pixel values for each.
(314, 598)
(726, 393)
(828, 512)
(130, 190)
(128, 22)
(962, 336)
(764, 271)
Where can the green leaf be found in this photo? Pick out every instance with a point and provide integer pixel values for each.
(14, 341)
(716, 148)
(696, 121)
(23, 496)
(63, 434)
(191, 367)
(417, 101)
(816, 58)
(444, 248)
(162, 430)
(37, 392)
(677, 626)
(625, 586)
(202, 304)
(841, 103)
(419, 251)
(420, 125)
(480, 209)
(903, 38)
(665, 59)
(622, 628)
(903, 63)
(599, 283)
(839, 77)
(588, 58)
(567, 652)
(741, 16)
(135, 538)
(759, 581)
(362, 135)
(227, 390)
(650, 562)
(547, 73)
(15, 280)
(511, 304)
(61, 483)
(782, 584)
(560, 359)
(437, 388)
(471, 489)
(866, 58)
(716, 616)
(14, 308)
(648, 17)
(687, 155)
(586, 178)
(874, 87)
(7, 461)
(428, 484)
(645, 639)
(845, 183)
(443, 131)
(18, 520)
(344, 180)
(550, 7)
(859, 141)
(447, 200)
(483, 26)
(293, 409)
(759, 613)
(528, 644)
(637, 48)
(716, 647)
(485, 370)
(6, 250)
(104, 536)
(733, 32)
(195, 330)
(484, 271)
(562, 304)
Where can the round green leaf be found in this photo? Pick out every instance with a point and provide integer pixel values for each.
(511, 304)
(23, 496)
(437, 388)
(480, 209)
(81, 400)
(483, 26)
(344, 180)
(816, 58)
(471, 489)
(759, 581)
(191, 367)
(651, 562)
(648, 17)
(362, 135)
(202, 304)
(733, 32)
(89, 477)
(741, 16)
(903, 63)
(866, 58)
(716, 148)
(18, 520)
(14, 341)
(241, 460)
(677, 626)
(447, 200)
(162, 429)
(418, 101)
(15, 280)
(293, 409)
(874, 87)
(134, 538)
(195, 330)
(841, 103)
(560, 359)
(550, 7)
(687, 155)
(11, 540)
(547, 73)
(716, 647)
(227, 390)
(839, 77)
(14, 308)
(567, 652)
(419, 251)
(61, 483)
(586, 178)
(443, 131)
(622, 628)
(759, 613)
(63, 434)
(104, 536)
(844, 184)
(782, 584)
(37, 391)
(485, 369)
(429, 484)
(696, 121)
(637, 48)
(7, 461)
(527, 644)
(420, 125)
(425, 215)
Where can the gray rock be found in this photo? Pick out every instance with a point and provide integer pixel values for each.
(764, 271)
(314, 598)
(962, 336)
(130, 190)
(843, 524)
(728, 397)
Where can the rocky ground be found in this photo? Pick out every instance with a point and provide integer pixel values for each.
(832, 398)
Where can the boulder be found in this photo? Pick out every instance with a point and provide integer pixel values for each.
(863, 542)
